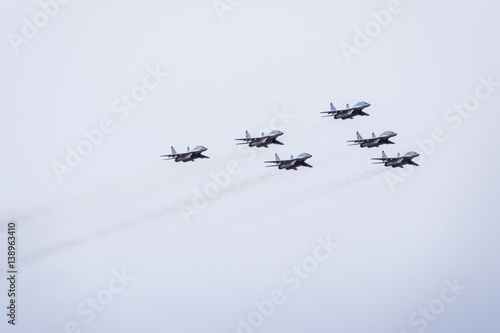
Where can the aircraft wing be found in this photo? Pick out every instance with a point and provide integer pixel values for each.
(359, 141)
(277, 162)
(338, 111)
(254, 139)
(200, 155)
(389, 159)
(412, 163)
(368, 140)
(281, 161)
(172, 156)
(285, 161)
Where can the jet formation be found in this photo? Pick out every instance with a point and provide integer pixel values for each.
(265, 140)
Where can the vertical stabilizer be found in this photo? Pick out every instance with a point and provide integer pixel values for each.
(359, 136)
(384, 155)
(173, 150)
(247, 134)
(276, 157)
(332, 107)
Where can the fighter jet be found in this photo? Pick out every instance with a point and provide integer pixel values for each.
(348, 112)
(190, 155)
(399, 161)
(292, 163)
(374, 141)
(262, 141)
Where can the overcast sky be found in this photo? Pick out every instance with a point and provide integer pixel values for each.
(112, 238)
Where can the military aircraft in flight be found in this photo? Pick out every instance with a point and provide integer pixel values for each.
(374, 141)
(399, 161)
(292, 163)
(188, 156)
(348, 112)
(262, 141)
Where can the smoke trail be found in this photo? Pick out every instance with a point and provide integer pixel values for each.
(97, 234)
(111, 230)
(159, 171)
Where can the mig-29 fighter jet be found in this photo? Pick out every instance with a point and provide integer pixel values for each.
(262, 141)
(292, 163)
(190, 155)
(374, 141)
(348, 112)
(399, 161)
